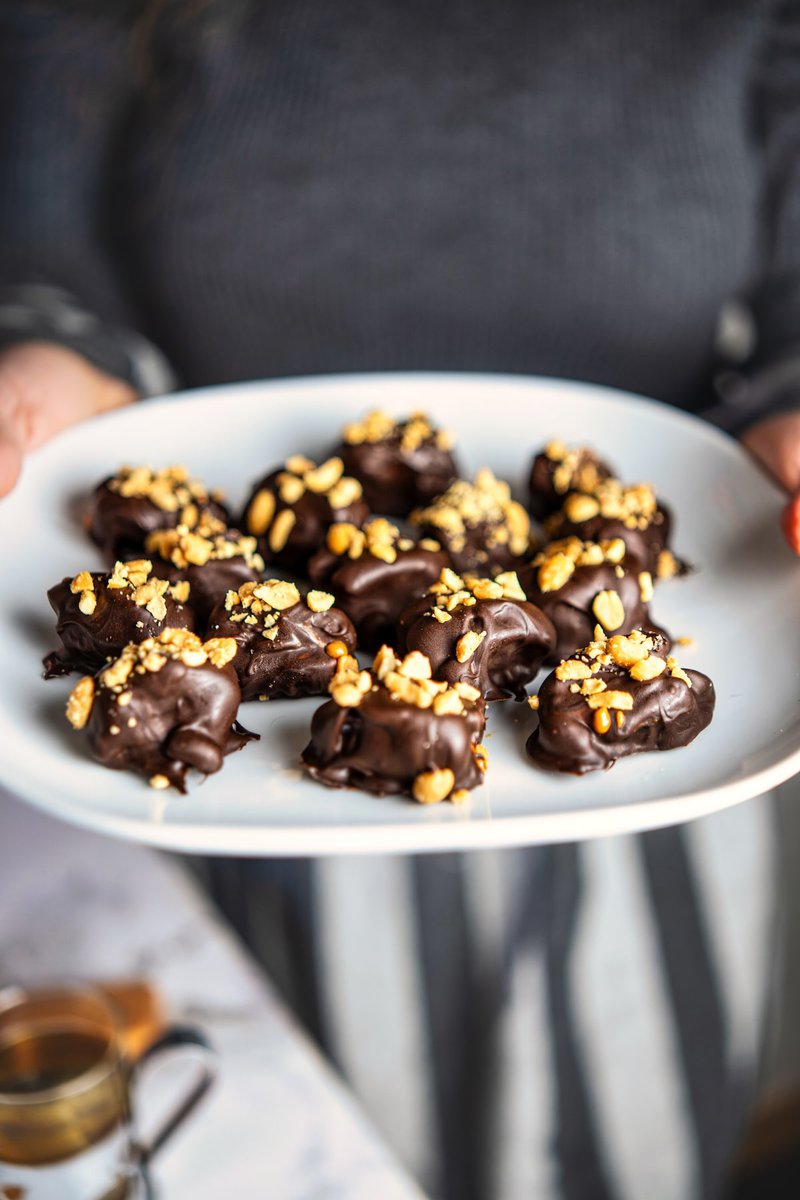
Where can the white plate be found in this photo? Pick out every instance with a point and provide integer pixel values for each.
(740, 607)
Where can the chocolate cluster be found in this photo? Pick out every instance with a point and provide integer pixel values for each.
(98, 614)
(616, 510)
(128, 506)
(478, 524)
(165, 706)
(614, 697)
(291, 509)
(395, 730)
(287, 645)
(560, 469)
(401, 464)
(374, 572)
(212, 557)
(479, 631)
(582, 584)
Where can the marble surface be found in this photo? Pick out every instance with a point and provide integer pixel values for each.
(279, 1125)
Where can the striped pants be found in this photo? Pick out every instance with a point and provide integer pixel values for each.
(580, 1022)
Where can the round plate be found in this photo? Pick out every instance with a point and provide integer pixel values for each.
(740, 607)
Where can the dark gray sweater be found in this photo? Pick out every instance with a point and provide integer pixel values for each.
(570, 187)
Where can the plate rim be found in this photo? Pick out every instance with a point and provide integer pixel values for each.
(387, 837)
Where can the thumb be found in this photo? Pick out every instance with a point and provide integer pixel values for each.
(11, 451)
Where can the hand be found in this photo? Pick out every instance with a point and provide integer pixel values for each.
(45, 388)
(775, 442)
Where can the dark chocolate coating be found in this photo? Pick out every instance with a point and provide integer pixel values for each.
(209, 583)
(643, 544)
(545, 498)
(570, 606)
(397, 480)
(88, 642)
(295, 663)
(185, 718)
(383, 745)
(119, 524)
(476, 556)
(518, 639)
(313, 518)
(372, 592)
(666, 714)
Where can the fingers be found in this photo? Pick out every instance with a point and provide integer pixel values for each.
(775, 443)
(10, 457)
(790, 523)
(43, 390)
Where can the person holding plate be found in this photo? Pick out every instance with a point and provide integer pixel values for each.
(207, 192)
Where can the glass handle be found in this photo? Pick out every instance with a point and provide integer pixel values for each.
(178, 1039)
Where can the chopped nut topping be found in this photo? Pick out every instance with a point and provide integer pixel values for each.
(677, 672)
(558, 560)
(377, 537)
(487, 502)
(431, 787)
(87, 603)
(579, 508)
(210, 540)
(154, 653)
(533, 702)
(555, 571)
(459, 796)
(261, 512)
(467, 644)
(180, 591)
(632, 653)
(169, 489)
(298, 464)
(346, 492)
(80, 701)
(320, 601)
(281, 530)
(576, 468)
(609, 609)
(324, 477)
(625, 651)
(415, 665)
(221, 650)
(602, 720)
(290, 488)
(278, 594)
(648, 668)
(572, 668)
(159, 782)
(378, 426)
(82, 583)
(645, 586)
(336, 649)
(667, 566)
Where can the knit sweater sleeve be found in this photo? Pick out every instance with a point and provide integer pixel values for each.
(776, 299)
(64, 86)
(66, 81)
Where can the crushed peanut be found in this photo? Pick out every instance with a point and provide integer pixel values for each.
(576, 468)
(558, 560)
(378, 426)
(609, 609)
(209, 540)
(467, 644)
(486, 502)
(80, 701)
(431, 787)
(170, 489)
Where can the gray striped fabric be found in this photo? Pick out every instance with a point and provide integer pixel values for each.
(570, 1022)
